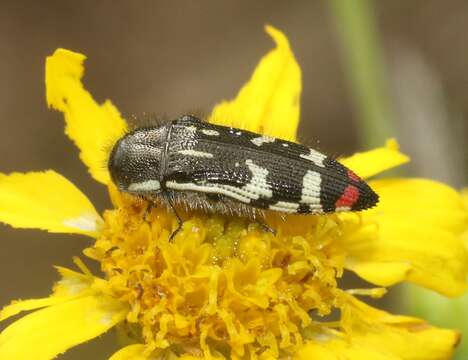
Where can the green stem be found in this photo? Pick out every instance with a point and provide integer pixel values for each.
(356, 24)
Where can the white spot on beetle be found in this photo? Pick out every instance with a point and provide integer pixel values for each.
(237, 164)
(256, 188)
(285, 206)
(234, 133)
(259, 141)
(314, 156)
(258, 185)
(148, 185)
(311, 189)
(189, 131)
(210, 132)
(85, 222)
(195, 153)
(228, 190)
(190, 128)
(285, 144)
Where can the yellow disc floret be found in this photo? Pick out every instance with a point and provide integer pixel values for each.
(220, 281)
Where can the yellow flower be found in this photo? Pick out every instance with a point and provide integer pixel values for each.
(225, 288)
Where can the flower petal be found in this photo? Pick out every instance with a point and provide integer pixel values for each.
(93, 127)
(46, 333)
(48, 201)
(464, 195)
(130, 352)
(430, 257)
(418, 237)
(375, 334)
(421, 201)
(70, 286)
(26, 305)
(269, 103)
(339, 349)
(403, 336)
(373, 162)
(73, 284)
(439, 310)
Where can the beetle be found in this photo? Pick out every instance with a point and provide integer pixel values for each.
(232, 171)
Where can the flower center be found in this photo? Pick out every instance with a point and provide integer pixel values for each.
(222, 285)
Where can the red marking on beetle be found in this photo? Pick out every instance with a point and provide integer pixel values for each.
(353, 176)
(349, 197)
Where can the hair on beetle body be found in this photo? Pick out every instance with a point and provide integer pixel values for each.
(212, 203)
(232, 171)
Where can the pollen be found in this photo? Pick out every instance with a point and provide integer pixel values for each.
(222, 285)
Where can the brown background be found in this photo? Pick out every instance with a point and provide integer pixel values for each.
(170, 57)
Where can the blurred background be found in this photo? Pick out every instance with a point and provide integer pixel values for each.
(371, 70)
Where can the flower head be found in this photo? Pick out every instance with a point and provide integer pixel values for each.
(225, 287)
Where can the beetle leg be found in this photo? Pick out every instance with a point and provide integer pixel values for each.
(149, 207)
(266, 227)
(174, 210)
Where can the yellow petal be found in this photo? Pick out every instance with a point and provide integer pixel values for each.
(73, 283)
(339, 349)
(26, 305)
(434, 258)
(421, 201)
(374, 334)
(269, 103)
(403, 336)
(418, 237)
(130, 352)
(93, 127)
(464, 195)
(48, 201)
(46, 333)
(373, 162)
(379, 272)
(137, 352)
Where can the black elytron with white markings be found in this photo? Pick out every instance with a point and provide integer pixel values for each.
(232, 171)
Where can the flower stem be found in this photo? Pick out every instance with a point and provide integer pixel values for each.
(357, 30)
